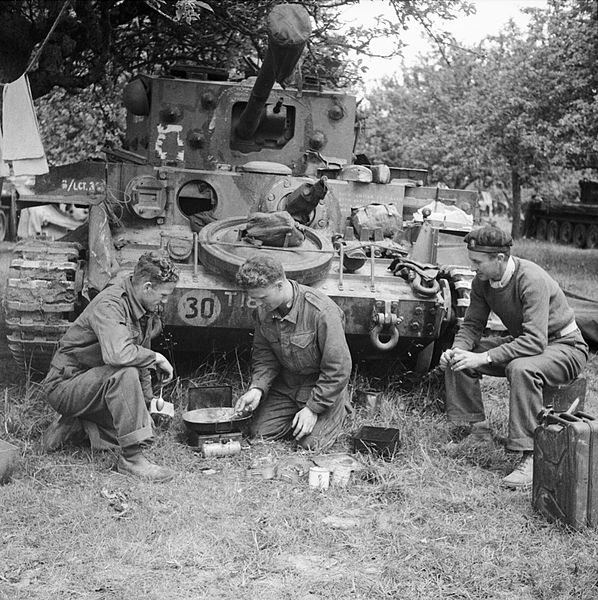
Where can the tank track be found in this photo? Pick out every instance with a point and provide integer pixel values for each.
(44, 281)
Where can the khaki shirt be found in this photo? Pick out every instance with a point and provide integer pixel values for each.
(307, 345)
(114, 329)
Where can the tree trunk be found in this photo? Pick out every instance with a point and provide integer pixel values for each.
(516, 191)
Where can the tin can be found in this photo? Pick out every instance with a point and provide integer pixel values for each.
(319, 478)
(341, 476)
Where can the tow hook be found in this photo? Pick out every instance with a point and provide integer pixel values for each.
(385, 324)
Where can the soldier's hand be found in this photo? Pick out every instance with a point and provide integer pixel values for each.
(462, 359)
(445, 359)
(164, 367)
(304, 423)
(249, 401)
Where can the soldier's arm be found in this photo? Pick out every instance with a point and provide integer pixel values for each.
(335, 366)
(535, 304)
(475, 320)
(265, 365)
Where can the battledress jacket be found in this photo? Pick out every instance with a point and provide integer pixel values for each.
(531, 306)
(114, 329)
(306, 345)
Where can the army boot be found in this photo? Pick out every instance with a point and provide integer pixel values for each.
(479, 434)
(523, 475)
(137, 465)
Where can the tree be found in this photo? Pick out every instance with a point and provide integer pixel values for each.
(97, 45)
(130, 35)
(520, 106)
(429, 119)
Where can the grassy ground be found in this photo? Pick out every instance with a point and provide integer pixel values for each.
(429, 524)
(574, 269)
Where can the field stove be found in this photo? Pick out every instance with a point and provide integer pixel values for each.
(216, 445)
(212, 439)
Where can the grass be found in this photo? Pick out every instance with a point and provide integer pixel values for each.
(429, 524)
(574, 269)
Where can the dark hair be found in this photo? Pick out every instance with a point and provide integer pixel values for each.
(259, 271)
(155, 267)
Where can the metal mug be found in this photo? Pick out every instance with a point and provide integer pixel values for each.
(319, 478)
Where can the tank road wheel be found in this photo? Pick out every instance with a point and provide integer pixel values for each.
(44, 281)
(221, 251)
(580, 235)
(541, 229)
(552, 232)
(592, 239)
(566, 233)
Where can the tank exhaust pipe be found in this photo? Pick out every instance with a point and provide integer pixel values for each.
(289, 29)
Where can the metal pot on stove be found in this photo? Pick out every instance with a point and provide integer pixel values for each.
(206, 421)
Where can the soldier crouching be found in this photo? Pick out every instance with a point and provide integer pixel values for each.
(301, 361)
(99, 378)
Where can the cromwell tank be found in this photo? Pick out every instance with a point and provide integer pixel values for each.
(201, 155)
(571, 223)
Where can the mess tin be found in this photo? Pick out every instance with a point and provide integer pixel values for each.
(214, 420)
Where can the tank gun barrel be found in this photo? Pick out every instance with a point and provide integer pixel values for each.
(289, 29)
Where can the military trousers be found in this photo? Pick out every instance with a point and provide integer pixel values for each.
(561, 362)
(274, 415)
(109, 397)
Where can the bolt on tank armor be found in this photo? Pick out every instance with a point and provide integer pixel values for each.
(204, 155)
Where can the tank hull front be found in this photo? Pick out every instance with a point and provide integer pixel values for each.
(205, 308)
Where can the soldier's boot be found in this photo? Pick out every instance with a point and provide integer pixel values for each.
(62, 430)
(137, 465)
(479, 435)
(523, 475)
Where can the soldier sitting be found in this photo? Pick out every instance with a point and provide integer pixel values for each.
(99, 376)
(545, 346)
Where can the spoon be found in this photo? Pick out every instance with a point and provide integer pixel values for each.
(160, 399)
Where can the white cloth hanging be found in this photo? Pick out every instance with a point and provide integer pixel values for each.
(21, 141)
(4, 168)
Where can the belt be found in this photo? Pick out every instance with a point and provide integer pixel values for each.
(571, 328)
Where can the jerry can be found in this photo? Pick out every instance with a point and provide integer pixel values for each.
(565, 483)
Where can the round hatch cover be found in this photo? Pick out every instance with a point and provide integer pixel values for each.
(222, 251)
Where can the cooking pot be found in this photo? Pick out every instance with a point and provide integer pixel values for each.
(214, 420)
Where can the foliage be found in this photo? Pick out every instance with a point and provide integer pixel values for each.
(79, 127)
(99, 44)
(518, 108)
(96, 39)
(429, 118)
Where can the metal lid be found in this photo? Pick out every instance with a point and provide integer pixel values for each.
(356, 173)
(267, 167)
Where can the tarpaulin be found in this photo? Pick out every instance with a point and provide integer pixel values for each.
(586, 316)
